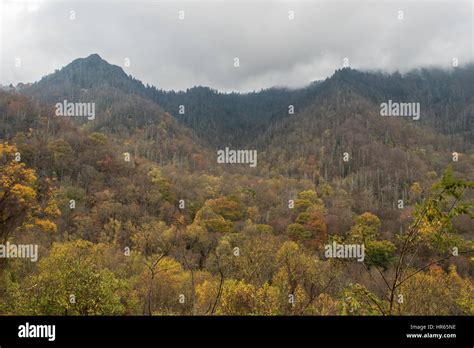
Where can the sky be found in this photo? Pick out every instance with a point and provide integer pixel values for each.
(277, 43)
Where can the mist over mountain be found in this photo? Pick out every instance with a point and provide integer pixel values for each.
(233, 119)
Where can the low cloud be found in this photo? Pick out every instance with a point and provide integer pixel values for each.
(200, 49)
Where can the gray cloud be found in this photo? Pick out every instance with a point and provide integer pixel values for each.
(200, 50)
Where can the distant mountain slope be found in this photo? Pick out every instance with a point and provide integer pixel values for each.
(83, 74)
(446, 98)
(233, 119)
(121, 107)
(388, 158)
(221, 119)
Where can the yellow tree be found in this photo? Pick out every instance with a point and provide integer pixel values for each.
(22, 203)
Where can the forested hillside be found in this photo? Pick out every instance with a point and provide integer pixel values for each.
(234, 119)
(134, 215)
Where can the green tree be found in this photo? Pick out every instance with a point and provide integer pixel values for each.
(72, 280)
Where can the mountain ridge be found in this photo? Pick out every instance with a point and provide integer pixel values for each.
(236, 119)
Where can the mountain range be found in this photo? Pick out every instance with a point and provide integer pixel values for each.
(144, 175)
(236, 119)
(338, 115)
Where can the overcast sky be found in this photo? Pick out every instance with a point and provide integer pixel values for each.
(200, 49)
